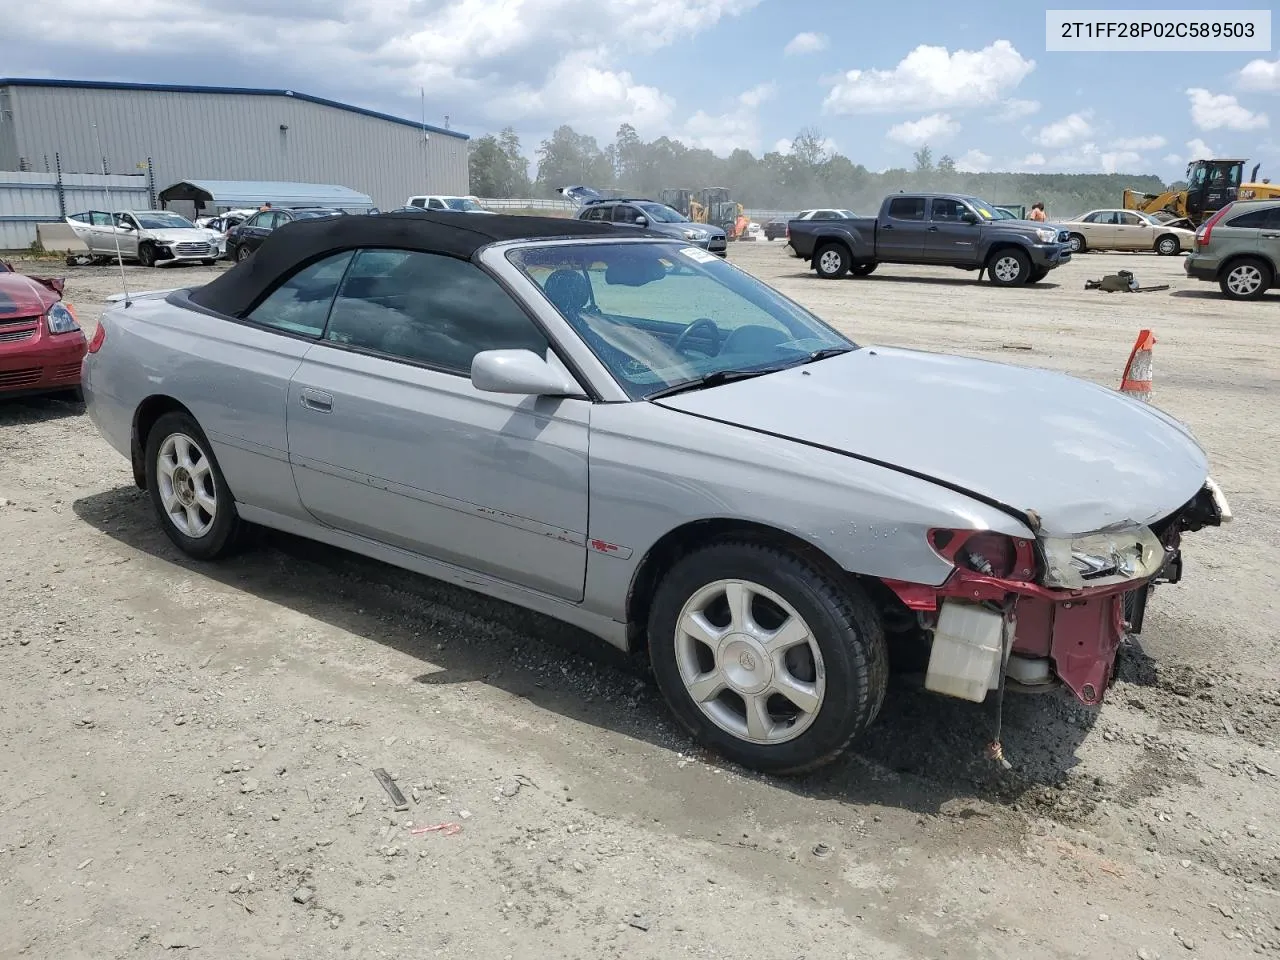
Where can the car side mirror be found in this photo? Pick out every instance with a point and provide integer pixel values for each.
(127, 226)
(642, 221)
(521, 372)
(969, 217)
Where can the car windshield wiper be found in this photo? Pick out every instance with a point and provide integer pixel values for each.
(714, 379)
(826, 352)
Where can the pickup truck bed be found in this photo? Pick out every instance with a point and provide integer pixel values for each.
(940, 229)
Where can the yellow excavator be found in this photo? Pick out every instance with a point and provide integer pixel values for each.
(1211, 185)
(711, 205)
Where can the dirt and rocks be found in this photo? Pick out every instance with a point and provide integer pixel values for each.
(190, 750)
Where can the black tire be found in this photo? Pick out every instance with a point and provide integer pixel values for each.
(1037, 275)
(1245, 279)
(146, 255)
(73, 395)
(863, 269)
(1009, 267)
(1077, 243)
(226, 533)
(208, 263)
(243, 253)
(832, 261)
(842, 623)
(1168, 245)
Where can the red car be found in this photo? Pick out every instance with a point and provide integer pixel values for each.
(41, 343)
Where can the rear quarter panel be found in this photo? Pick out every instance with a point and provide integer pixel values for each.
(654, 469)
(233, 378)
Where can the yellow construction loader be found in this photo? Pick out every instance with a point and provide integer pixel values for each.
(1211, 185)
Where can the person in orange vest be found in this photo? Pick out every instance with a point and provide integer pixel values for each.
(1037, 212)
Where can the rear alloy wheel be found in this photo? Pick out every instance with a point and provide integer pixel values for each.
(764, 657)
(1168, 246)
(1076, 242)
(190, 497)
(1246, 280)
(1009, 268)
(832, 261)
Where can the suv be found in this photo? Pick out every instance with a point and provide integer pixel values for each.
(649, 215)
(1239, 247)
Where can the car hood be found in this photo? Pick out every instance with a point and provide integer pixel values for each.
(1081, 456)
(23, 296)
(183, 235)
(701, 229)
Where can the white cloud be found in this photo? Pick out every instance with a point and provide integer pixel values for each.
(487, 63)
(1197, 149)
(932, 78)
(1123, 161)
(935, 128)
(973, 161)
(1153, 142)
(1171, 159)
(1070, 129)
(1013, 109)
(739, 127)
(580, 86)
(1033, 160)
(1263, 75)
(1215, 111)
(803, 43)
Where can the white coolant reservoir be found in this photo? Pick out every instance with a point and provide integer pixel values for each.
(968, 652)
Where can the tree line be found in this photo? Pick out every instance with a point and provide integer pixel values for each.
(808, 175)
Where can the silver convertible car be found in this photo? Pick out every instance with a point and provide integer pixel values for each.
(636, 437)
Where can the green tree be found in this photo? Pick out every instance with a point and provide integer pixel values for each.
(567, 158)
(924, 159)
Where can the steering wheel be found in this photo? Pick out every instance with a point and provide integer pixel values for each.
(700, 323)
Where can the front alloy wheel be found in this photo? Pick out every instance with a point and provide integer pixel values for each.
(749, 661)
(767, 657)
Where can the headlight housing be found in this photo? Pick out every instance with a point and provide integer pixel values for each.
(692, 235)
(1047, 236)
(60, 319)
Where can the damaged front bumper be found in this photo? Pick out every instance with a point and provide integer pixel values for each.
(1065, 625)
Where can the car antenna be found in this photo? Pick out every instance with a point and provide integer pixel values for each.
(124, 283)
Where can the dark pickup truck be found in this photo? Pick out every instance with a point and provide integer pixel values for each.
(944, 229)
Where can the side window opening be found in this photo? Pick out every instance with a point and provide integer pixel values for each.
(906, 208)
(427, 308)
(301, 304)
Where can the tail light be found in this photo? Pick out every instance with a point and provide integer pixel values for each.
(99, 337)
(1206, 228)
(990, 554)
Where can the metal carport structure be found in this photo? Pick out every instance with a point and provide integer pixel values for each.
(237, 194)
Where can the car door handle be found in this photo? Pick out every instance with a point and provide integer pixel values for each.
(887, 226)
(315, 400)
(933, 229)
(1271, 236)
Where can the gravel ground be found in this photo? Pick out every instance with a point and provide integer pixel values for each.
(191, 749)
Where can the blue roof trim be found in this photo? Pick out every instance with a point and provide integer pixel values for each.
(243, 91)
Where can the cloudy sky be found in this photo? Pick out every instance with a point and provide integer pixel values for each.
(971, 79)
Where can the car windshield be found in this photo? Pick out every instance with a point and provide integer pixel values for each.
(661, 213)
(985, 210)
(660, 315)
(462, 203)
(1003, 214)
(163, 221)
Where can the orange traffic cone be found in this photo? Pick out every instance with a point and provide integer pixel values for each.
(1137, 372)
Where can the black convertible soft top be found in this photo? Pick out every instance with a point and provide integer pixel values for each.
(456, 234)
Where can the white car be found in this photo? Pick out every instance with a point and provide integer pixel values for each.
(152, 237)
(443, 202)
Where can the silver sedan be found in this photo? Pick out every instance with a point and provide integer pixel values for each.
(634, 436)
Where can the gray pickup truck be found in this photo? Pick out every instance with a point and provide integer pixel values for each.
(946, 229)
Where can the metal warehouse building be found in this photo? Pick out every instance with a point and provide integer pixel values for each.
(224, 133)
